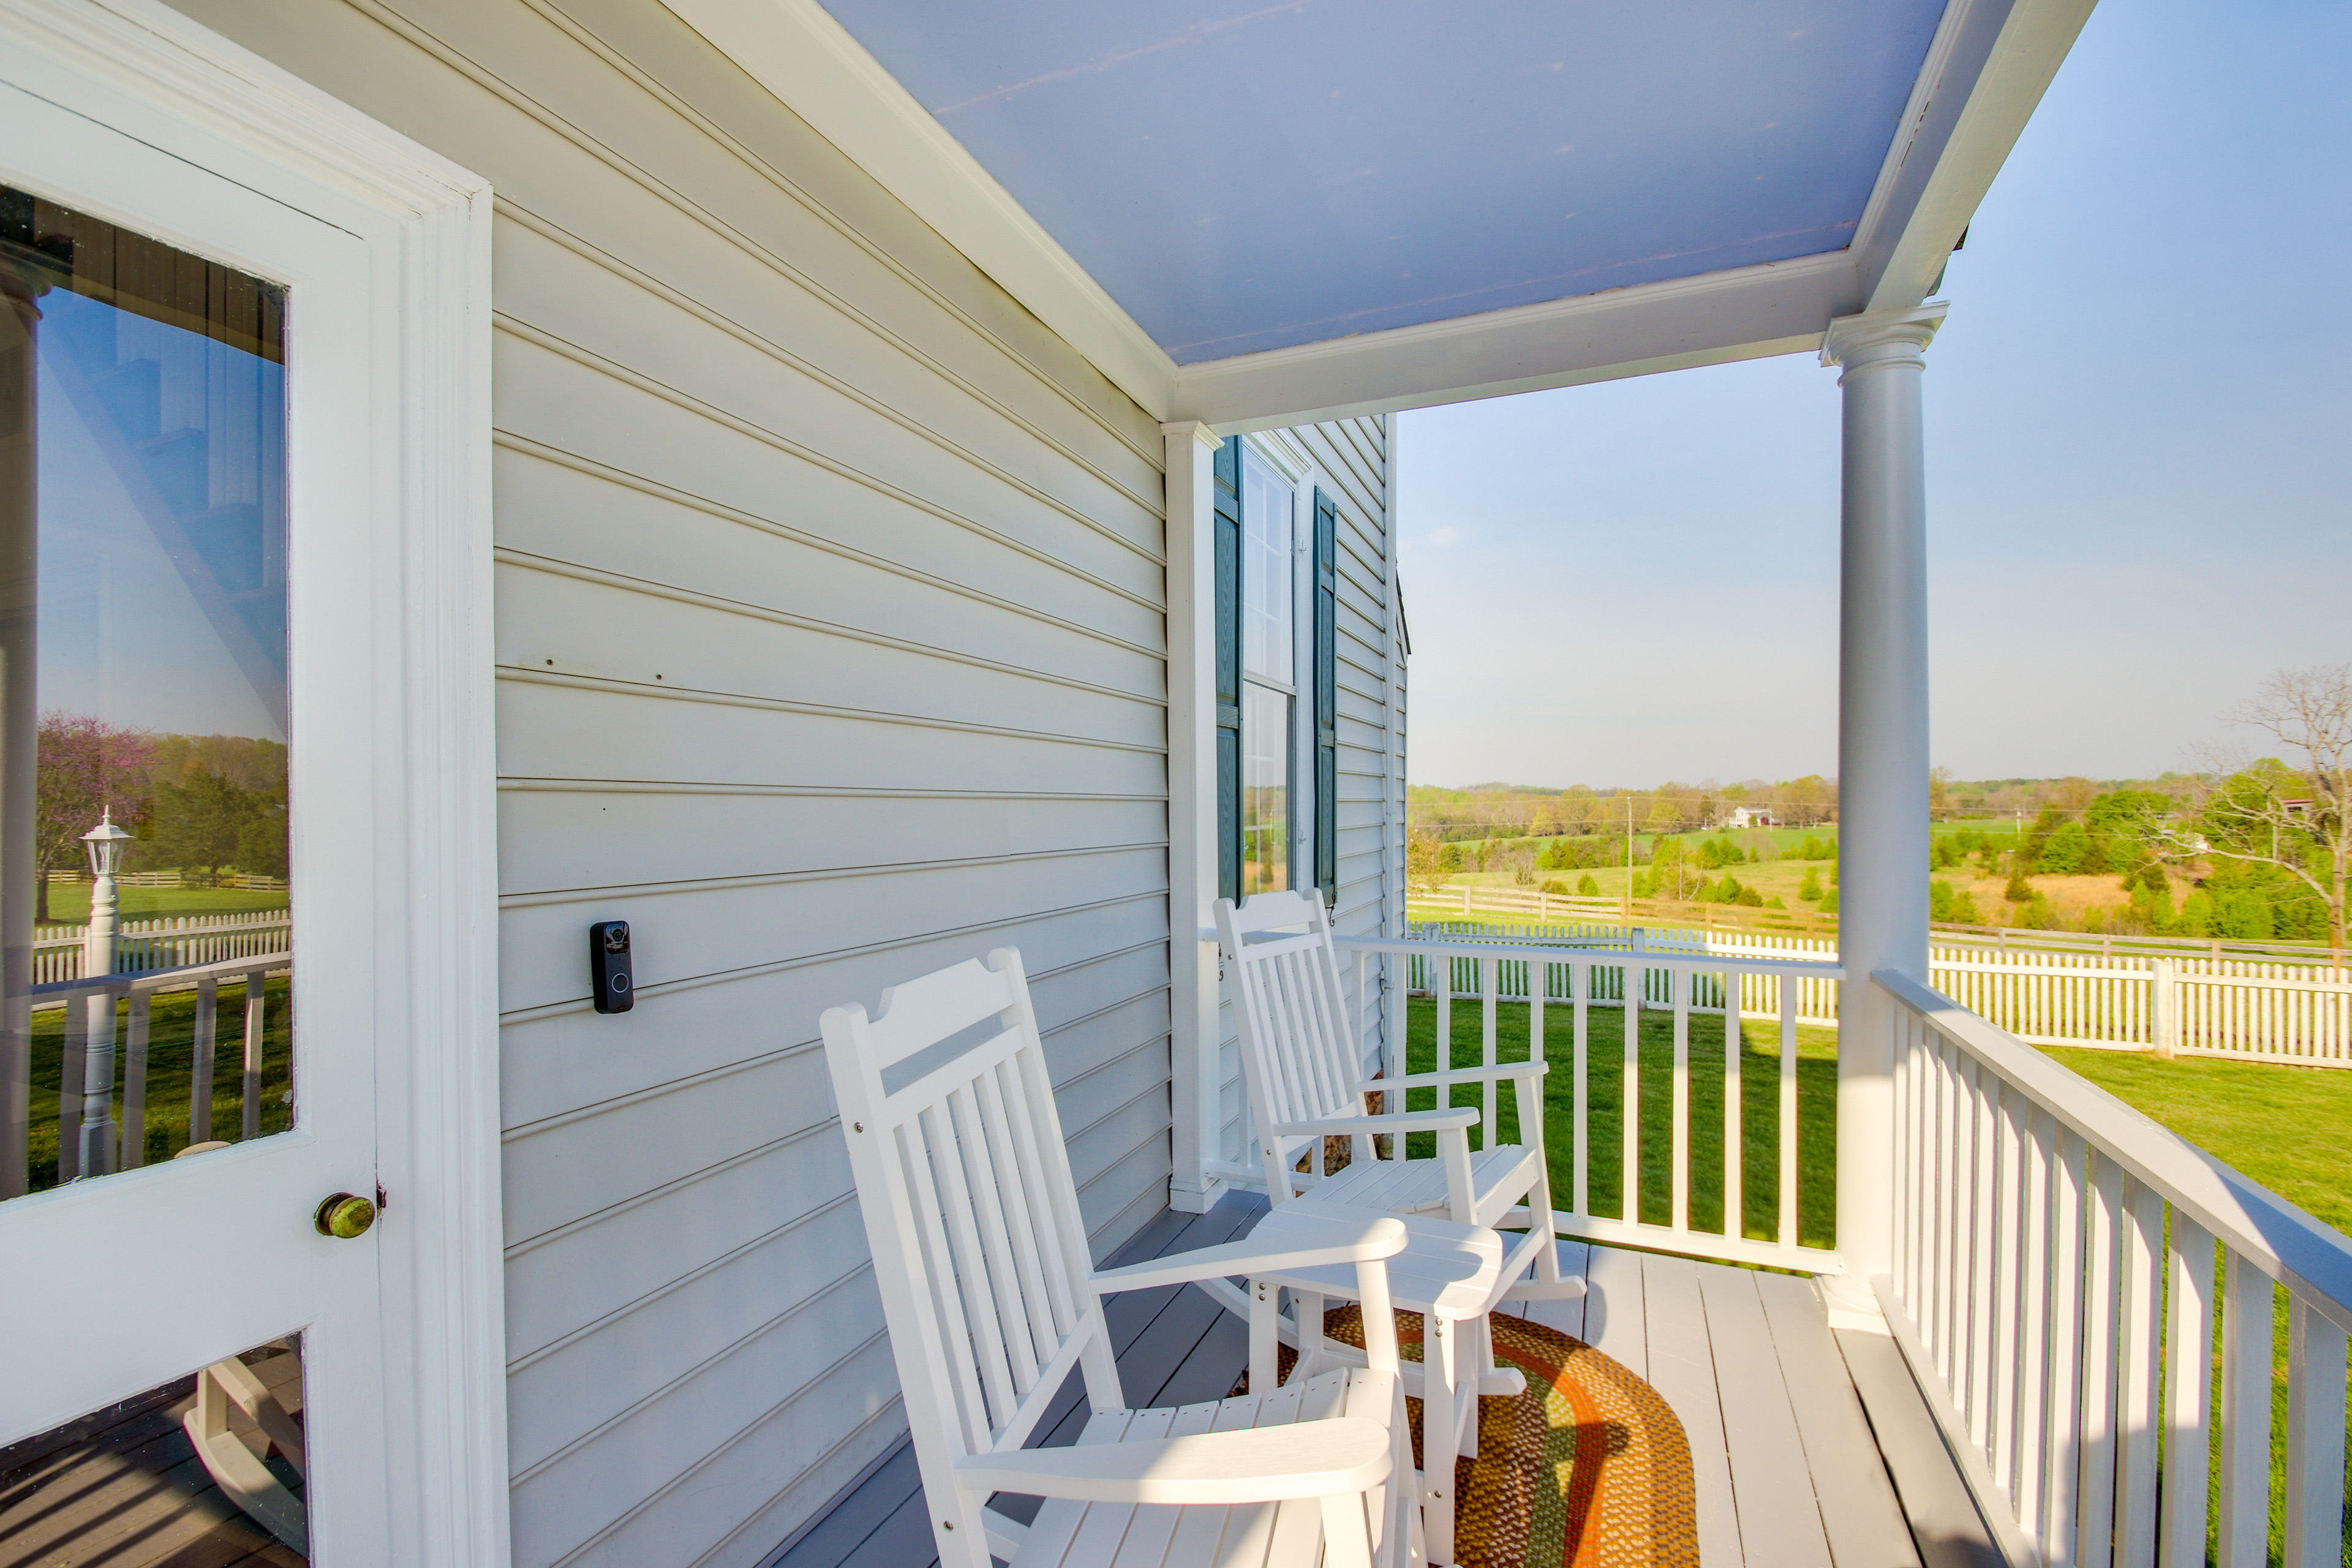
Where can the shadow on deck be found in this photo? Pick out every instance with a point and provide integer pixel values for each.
(1811, 1448)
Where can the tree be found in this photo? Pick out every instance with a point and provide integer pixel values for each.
(84, 768)
(1424, 863)
(2294, 817)
(1586, 888)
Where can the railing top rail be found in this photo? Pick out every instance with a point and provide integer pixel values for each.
(2312, 1259)
(1614, 958)
(154, 979)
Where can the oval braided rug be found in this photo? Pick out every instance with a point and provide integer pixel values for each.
(1588, 1469)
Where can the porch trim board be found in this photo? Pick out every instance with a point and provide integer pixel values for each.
(144, 70)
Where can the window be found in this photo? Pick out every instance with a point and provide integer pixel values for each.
(1269, 699)
(1276, 649)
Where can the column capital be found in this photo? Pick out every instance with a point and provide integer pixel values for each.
(1877, 337)
(1201, 433)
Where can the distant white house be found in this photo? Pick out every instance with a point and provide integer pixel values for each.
(1745, 817)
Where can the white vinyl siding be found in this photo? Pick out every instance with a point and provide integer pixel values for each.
(831, 640)
(1349, 458)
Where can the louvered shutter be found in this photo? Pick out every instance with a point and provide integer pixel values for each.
(1227, 527)
(1327, 697)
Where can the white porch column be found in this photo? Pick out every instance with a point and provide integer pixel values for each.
(1192, 809)
(1882, 756)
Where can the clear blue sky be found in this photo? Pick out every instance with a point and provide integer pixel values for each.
(2140, 446)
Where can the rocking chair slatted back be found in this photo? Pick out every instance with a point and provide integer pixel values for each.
(983, 1237)
(1298, 1044)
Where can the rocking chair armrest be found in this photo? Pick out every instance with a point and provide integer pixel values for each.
(1329, 1241)
(1329, 1457)
(1455, 1075)
(1440, 1119)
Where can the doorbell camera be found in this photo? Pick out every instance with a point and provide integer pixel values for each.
(609, 981)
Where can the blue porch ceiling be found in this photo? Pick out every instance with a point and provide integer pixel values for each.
(1243, 177)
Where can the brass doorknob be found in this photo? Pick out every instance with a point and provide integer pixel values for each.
(345, 1216)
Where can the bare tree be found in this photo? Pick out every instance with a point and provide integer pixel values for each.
(2294, 814)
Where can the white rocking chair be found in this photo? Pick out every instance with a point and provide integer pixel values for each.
(982, 1259)
(1302, 1055)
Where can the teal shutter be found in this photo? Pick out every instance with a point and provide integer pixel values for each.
(1227, 528)
(1327, 697)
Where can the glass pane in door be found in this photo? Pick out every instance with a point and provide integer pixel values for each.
(205, 1469)
(145, 950)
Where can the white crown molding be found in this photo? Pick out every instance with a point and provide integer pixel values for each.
(1748, 313)
(797, 51)
(1986, 72)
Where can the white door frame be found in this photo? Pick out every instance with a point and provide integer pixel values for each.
(146, 71)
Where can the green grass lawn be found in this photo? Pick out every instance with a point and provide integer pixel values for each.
(2288, 1128)
(171, 1049)
(1760, 1092)
(69, 902)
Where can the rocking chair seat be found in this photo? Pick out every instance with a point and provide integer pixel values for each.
(1070, 1531)
(1418, 1187)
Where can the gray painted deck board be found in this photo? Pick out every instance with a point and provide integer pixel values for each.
(1176, 1346)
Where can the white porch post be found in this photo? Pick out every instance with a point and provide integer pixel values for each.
(1882, 756)
(1191, 810)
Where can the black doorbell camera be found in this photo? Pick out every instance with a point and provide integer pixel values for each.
(610, 981)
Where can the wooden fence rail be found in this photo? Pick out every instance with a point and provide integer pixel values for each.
(2299, 1015)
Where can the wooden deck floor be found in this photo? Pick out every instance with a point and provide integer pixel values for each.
(123, 1488)
(1790, 1471)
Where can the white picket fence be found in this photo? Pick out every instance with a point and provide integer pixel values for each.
(173, 943)
(2244, 1009)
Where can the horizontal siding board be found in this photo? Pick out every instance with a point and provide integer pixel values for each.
(599, 1378)
(1004, 543)
(566, 283)
(603, 631)
(551, 727)
(752, 399)
(564, 1502)
(566, 1062)
(699, 933)
(551, 839)
(571, 1282)
(562, 507)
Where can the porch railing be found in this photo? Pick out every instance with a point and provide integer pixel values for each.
(77, 1071)
(2067, 1276)
(1561, 986)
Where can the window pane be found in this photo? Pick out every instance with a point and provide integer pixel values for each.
(1266, 791)
(143, 717)
(1265, 572)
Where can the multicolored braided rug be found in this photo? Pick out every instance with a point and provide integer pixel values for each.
(1588, 1469)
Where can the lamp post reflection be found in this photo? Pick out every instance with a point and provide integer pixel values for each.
(98, 1132)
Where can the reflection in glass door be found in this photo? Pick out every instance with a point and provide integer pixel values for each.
(142, 625)
(146, 972)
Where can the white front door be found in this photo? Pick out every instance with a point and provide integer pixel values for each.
(219, 1024)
